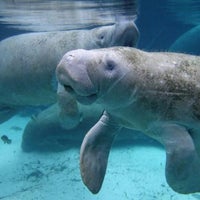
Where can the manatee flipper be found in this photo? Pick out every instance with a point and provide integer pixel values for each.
(183, 163)
(95, 151)
(69, 113)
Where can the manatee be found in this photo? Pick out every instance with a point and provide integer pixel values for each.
(45, 132)
(156, 93)
(48, 132)
(28, 62)
(64, 124)
(188, 42)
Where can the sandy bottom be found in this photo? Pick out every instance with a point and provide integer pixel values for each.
(134, 173)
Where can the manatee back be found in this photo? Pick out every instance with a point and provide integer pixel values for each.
(166, 83)
(28, 65)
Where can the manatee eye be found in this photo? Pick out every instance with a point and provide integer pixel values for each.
(101, 36)
(110, 65)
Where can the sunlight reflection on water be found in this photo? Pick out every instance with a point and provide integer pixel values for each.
(38, 15)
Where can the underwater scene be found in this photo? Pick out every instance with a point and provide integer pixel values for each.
(99, 100)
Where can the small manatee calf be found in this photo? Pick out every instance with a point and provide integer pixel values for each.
(157, 93)
(28, 62)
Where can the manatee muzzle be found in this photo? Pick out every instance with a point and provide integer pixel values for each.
(72, 74)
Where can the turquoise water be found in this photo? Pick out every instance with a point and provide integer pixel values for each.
(42, 160)
(135, 171)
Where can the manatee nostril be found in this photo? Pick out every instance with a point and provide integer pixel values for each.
(69, 57)
(68, 88)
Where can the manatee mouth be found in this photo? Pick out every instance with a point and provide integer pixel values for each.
(87, 99)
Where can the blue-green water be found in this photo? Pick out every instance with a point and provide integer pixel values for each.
(46, 165)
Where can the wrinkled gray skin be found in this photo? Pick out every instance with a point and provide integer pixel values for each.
(28, 62)
(156, 93)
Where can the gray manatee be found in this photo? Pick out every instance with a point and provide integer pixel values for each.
(155, 93)
(28, 62)
(45, 133)
(188, 42)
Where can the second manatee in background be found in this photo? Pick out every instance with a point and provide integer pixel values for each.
(123, 33)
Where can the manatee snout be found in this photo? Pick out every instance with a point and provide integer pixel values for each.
(62, 71)
(72, 73)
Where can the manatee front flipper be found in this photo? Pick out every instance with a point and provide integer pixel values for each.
(95, 151)
(69, 113)
(183, 162)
